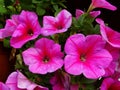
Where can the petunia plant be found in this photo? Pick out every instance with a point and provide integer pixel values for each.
(56, 50)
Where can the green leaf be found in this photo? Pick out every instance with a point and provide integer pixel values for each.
(11, 8)
(1, 2)
(2, 7)
(6, 43)
(40, 11)
(87, 81)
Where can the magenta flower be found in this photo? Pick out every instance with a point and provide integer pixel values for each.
(44, 57)
(102, 4)
(27, 30)
(86, 55)
(61, 81)
(110, 35)
(10, 27)
(58, 24)
(3, 86)
(115, 52)
(93, 14)
(109, 71)
(110, 84)
(17, 81)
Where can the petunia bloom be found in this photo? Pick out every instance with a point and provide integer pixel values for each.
(28, 29)
(10, 27)
(61, 81)
(93, 14)
(115, 52)
(17, 81)
(44, 57)
(58, 24)
(102, 4)
(3, 86)
(110, 35)
(86, 55)
(110, 84)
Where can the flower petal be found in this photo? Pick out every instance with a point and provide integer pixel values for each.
(103, 4)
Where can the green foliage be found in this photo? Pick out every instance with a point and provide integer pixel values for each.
(84, 24)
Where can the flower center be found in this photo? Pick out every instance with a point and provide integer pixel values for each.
(30, 32)
(82, 57)
(59, 27)
(45, 59)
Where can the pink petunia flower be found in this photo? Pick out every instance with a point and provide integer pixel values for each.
(93, 14)
(28, 29)
(17, 81)
(110, 84)
(115, 52)
(61, 81)
(10, 27)
(3, 86)
(110, 35)
(102, 4)
(44, 57)
(86, 55)
(58, 24)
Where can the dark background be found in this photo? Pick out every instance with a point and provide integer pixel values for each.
(110, 17)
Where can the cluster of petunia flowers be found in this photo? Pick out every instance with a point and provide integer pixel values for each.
(95, 56)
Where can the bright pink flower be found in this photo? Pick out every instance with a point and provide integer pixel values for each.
(27, 30)
(44, 57)
(93, 14)
(10, 27)
(17, 81)
(3, 86)
(61, 81)
(58, 24)
(110, 84)
(102, 4)
(109, 71)
(86, 55)
(110, 35)
(115, 52)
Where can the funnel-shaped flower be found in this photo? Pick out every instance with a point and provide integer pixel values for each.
(86, 55)
(28, 29)
(17, 81)
(110, 84)
(93, 14)
(10, 27)
(61, 81)
(110, 35)
(102, 4)
(44, 57)
(58, 24)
